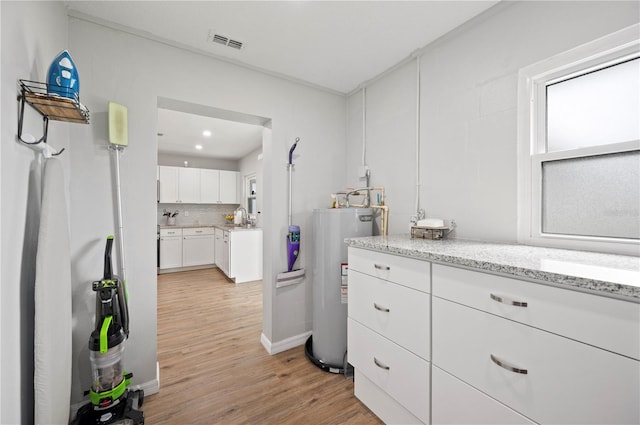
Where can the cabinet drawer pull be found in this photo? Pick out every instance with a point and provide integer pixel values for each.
(506, 300)
(380, 364)
(380, 267)
(198, 231)
(377, 307)
(508, 366)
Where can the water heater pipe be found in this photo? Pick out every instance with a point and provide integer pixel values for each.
(364, 126)
(381, 205)
(418, 177)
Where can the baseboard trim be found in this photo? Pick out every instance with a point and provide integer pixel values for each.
(284, 345)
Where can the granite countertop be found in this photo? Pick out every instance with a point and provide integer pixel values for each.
(228, 227)
(610, 275)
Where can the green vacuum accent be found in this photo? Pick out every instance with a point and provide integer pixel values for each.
(104, 341)
(113, 394)
(118, 127)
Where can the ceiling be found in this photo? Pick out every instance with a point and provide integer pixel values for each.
(333, 45)
(180, 132)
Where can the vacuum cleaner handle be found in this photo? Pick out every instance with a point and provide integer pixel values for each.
(108, 271)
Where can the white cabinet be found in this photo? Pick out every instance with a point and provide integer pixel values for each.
(197, 186)
(473, 347)
(170, 248)
(189, 185)
(239, 254)
(179, 185)
(388, 334)
(198, 247)
(168, 184)
(245, 255)
(186, 247)
(209, 186)
(505, 338)
(391, 310)
(222, 250)
(479, 408)
(229, 187)
(396, 371)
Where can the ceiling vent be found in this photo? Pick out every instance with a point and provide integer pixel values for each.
(224, 40)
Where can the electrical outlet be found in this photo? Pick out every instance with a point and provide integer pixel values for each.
(186, 213)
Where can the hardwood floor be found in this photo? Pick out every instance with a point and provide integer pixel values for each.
(213, 369)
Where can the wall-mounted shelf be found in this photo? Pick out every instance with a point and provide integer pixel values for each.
(51, 107)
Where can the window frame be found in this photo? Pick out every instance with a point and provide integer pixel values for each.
(532, 135)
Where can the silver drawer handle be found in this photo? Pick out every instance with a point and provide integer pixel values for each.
(381, 365)
(377, 307)
(509, 301)
(379, 267)
(508, 366)
(198, 231)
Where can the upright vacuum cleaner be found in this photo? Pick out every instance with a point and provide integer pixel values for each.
(112, 402)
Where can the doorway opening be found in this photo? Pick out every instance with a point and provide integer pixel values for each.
(195, 139)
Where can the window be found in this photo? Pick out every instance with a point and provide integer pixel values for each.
(579, 147)
(250, 190)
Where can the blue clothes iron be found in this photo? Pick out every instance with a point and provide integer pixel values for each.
(62, 78)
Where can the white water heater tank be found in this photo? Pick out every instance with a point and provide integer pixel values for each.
(330, 227)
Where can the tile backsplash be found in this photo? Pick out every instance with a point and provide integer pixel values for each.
(196, 214)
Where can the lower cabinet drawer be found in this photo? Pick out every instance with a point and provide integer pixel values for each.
(545, 377)
(398, 372)
(576, 315)
(396, 312)
(454, 402)
(394, 268)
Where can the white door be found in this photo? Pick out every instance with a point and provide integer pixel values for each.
(168, 190)
(209, 186)
(229, 187)
(198, 250)
(189, 185)
(170, 252)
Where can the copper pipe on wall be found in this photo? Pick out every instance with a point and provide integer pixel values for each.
(367, 204)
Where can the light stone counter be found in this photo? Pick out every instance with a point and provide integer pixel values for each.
(230, 228)
(610, 275)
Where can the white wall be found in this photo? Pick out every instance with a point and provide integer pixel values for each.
(390, 134)
(175, 160)
(33, 33)
(134, 72)
(468, 112)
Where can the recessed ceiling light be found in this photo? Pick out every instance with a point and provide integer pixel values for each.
(206, 133)
(199, 147)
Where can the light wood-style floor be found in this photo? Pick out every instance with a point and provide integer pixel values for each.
(213, 369)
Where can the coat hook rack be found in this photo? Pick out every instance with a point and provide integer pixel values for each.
(51, 107)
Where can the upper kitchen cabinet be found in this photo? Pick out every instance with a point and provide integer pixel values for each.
(189, 185)
(209, 186)
(197, 186)
(179, 185)
(229, 187)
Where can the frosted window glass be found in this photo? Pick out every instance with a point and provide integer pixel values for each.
(595, 109)
(592, 196)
